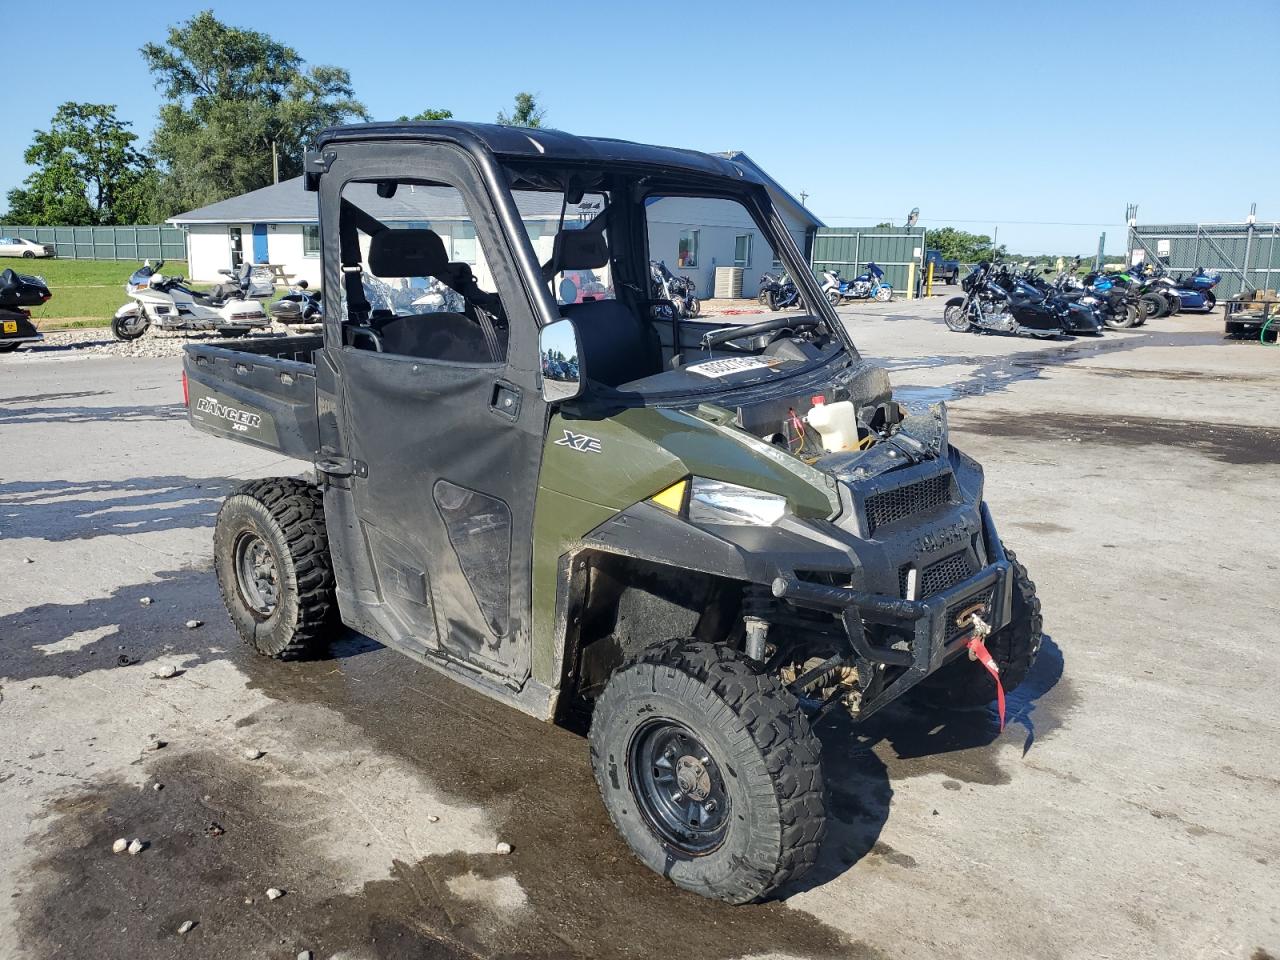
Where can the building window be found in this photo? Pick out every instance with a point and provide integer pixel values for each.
(687, 255)
(464, 243)
(742, 250)
(311, 240)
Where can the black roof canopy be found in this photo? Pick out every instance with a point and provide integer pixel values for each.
(544, 144)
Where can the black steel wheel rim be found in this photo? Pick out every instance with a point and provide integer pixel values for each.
(679, 787)
(257, 575)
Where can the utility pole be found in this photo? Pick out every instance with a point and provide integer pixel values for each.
(803, 197)
(1102, 252)
(275, 163)
(995, 241)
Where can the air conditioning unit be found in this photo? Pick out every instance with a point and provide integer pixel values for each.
(728, 283)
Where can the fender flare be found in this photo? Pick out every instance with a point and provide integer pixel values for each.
(128, 310)
(955, 302)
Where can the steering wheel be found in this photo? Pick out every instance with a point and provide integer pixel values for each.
(718, 337)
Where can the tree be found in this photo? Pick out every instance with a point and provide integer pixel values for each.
(86, 170)
(242, 105)
(431, 113)
(527, 113)
(959, 245)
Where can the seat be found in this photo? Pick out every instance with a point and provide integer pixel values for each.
(432, 335)
(617, 346)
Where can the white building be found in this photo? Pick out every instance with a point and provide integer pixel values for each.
(278, 225)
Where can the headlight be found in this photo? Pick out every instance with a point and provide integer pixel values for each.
(714, 501)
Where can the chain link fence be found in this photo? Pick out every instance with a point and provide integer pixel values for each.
(108, 243)
(899, 251)
(1246, 254)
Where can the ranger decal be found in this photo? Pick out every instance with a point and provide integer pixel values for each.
(579, 441)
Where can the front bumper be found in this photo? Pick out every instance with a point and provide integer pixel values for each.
(937, 626)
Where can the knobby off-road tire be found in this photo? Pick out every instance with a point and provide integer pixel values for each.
(757, 759)
(271, 555)
(966, 683)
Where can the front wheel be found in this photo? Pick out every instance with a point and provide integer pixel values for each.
(129, 327)
(834, 298)
(955, 319)
(694, 308)
(884, 294)
(709, 770)
(271, 557)
(1014, 647)
(1210, 301)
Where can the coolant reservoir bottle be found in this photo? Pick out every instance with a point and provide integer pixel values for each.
(836, 423)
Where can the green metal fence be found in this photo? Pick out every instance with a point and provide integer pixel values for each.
(899, 251)
(1246, 254)
(108, 243)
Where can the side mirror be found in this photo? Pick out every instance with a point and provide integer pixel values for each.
(560, 352)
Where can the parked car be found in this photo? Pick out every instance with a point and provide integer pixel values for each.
(22, 247)
(944, 270)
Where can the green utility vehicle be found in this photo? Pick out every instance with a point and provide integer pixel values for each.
(531, 475)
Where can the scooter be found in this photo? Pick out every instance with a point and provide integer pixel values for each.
(996, 300)
(168, 304)
(299, 305)
(868, 286)
(17, 291)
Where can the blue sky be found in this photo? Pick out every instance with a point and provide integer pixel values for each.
(1043, 118)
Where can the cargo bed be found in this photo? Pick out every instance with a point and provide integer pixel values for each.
(261, 392)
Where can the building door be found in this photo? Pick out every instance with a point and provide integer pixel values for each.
(237, 246)
(260, 254)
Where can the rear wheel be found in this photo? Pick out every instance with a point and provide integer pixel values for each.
(9, 347)
(1150, 305)
(28, 255)
(1210, 301)
(695, 306)
(709, 770)
(271, 556)
(1014, 647)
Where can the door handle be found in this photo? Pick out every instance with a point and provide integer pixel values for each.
(506, 400)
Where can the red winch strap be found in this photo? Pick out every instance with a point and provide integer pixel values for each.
(979, 651)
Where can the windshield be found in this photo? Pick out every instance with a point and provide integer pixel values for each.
(708, 302)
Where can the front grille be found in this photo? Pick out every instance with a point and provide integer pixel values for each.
(890, 506)
(939, 576)
(956, 630)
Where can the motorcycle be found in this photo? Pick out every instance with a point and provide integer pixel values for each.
(996, 299)
(1194, 292)
(779, 293)
(867, 286)
(299, 305)
(679, 290)
(232, 308)
(18, 290)
(1112, 304)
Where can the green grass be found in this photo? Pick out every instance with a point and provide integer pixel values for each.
(88, 292)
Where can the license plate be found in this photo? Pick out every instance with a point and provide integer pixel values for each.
(11, 326)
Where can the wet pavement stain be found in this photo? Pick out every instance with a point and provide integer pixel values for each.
(994, 374)
(1239, 444)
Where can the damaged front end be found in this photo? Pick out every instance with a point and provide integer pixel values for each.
(851, 574)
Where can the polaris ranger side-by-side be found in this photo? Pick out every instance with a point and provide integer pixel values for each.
(585, 504)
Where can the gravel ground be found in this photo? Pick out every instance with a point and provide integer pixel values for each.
(98, 342)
